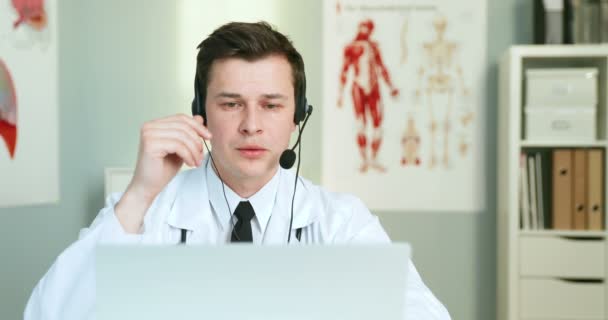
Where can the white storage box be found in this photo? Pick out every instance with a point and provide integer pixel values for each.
(562, 86)
(560, 124)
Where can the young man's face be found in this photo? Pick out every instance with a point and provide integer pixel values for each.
(250, 107)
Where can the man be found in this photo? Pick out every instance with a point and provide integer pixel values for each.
(363, 55)
(249, 77)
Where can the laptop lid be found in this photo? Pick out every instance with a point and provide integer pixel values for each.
(251, 282)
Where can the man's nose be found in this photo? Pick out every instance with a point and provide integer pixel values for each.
(250, 121)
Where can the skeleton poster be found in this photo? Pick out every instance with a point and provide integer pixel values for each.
(28, 102)
(403, 103)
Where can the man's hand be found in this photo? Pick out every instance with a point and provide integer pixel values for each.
(165, 145)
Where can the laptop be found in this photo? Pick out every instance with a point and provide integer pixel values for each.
(252, 282)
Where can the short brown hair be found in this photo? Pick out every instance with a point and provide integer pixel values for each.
(249, 41)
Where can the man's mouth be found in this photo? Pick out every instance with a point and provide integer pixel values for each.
(251, 151)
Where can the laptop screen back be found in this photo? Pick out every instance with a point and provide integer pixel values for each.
(252, 282)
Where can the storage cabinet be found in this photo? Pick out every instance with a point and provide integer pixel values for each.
(545, 273)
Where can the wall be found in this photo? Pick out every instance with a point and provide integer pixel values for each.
(125, 62)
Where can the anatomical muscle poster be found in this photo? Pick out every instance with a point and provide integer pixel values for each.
(29, 169)
(403, 103)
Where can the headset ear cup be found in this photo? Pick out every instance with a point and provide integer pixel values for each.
(198, 107)
(297, 114)
(302, 110)
(194, 107)
(301, 106)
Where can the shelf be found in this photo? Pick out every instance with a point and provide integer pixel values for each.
(563, 233)
(560, 51)
(562, 144)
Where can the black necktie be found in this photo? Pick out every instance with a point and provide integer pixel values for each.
(242, 229)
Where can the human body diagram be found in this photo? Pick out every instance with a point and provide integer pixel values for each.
(440, 93)
(363, 55)
(26, 27)
(441, 76)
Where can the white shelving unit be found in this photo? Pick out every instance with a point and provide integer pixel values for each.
(546, 274)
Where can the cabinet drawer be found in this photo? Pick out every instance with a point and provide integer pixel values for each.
(559, 299)
(555, 256)
(562, 257)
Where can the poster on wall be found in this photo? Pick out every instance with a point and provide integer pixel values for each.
(29, 170)
(403, 103)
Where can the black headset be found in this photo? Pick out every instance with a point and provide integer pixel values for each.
(302, 107)
(288, 157)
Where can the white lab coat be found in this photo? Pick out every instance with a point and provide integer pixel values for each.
(67, 291)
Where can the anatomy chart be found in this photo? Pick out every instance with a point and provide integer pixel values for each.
(28, 102)
(403, 103)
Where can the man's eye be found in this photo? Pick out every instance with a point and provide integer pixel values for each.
(271, 106)
(230, 104)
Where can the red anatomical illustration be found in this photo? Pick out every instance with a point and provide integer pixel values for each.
(8, 110)
(30, 12)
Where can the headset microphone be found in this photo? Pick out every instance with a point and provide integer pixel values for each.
(288, 157)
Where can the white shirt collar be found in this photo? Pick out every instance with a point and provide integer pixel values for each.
(262, 201)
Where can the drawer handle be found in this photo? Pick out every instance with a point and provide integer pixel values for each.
(578, 238)
(590, 281)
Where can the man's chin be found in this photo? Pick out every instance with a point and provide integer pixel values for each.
(257, 169)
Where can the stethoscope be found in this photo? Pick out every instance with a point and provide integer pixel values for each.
(184, 236)
(184, 232)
